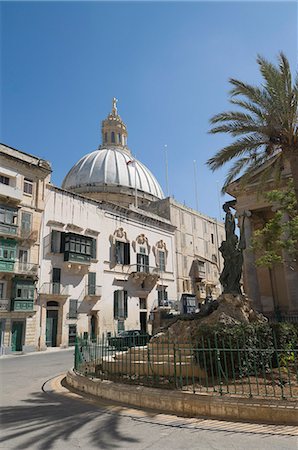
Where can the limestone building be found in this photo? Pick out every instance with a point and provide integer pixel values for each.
(198, 260)
(274, 291)
(104, 267)
(23, 180)
(108, 248)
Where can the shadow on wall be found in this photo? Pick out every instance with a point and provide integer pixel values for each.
(49, 417)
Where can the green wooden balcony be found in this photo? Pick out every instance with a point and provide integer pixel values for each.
(6, 266)
(7, 229)
(22, 305)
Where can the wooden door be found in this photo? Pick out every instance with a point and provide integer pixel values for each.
(17, 336)
(51, 328)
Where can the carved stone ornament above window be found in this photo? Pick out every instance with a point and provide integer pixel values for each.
(160, 245)
(141, 240)
(119, 235)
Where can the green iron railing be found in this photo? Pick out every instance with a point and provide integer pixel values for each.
(212, 365)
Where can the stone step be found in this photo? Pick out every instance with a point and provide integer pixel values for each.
(157, 368)
(149, 356)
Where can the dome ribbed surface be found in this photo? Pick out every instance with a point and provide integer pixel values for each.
(108, 167)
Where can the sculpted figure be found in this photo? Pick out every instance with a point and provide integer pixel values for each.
(232, 253)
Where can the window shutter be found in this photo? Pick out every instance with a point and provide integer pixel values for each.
(118, 252)
(56, 241)
(62, 242)
(26, 221)
(93, 248)
(116, 304)
(73, 308)
(126, 253)
(125, 304)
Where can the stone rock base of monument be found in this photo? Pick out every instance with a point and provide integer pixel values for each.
(232, 310)
(228, 310)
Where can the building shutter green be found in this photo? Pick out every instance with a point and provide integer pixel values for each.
(126, 253)
(93, 248)
(116, 304)
(125, 304)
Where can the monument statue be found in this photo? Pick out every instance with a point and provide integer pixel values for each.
(232, 253)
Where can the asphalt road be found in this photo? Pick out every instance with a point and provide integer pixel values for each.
(35, 414)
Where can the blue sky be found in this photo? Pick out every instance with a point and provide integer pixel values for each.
(168, 63)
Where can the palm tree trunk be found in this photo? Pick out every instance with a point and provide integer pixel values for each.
(293, 160)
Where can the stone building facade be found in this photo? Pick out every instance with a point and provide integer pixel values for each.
(23, 179)
(197, 239)
(274, 291)
(104, 268)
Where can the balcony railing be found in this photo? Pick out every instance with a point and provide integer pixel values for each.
(28, 235)
(11, 192)
(92, 290)
(24, 268)
(72, 315)
(4, 304)
(54, 289)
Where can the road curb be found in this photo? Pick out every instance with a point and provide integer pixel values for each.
(187, 404)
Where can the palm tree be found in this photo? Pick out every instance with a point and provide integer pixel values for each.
(265, 125)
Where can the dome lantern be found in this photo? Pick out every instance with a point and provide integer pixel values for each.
(114, 131)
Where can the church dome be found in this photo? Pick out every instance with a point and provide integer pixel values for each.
(112, 168)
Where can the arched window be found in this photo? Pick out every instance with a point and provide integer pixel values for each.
(106, 136)
(119, 138)
(112, 136)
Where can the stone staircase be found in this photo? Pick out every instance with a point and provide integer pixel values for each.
(156, 359)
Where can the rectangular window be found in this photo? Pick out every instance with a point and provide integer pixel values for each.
(143, 303)
(73, 309)
(56, 278)
(1, 290)
(8, 215)
(161, 261)
(162, 296)
(26, 219)
(120, 326)
(91, 283)
(75, 243)
(120, 304)
(72, 333)
(122, 252)
(24, 290)
(23, 256)
(4, 180)
(212, 238)
(28, 186)
(55, 241)
(142, 262)
(8, 249)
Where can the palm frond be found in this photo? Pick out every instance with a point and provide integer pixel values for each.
(236, 149)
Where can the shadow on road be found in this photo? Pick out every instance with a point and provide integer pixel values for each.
(49, 417)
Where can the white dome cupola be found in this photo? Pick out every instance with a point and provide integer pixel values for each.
(111, 173)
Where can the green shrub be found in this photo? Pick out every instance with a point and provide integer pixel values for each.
(234, 351)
